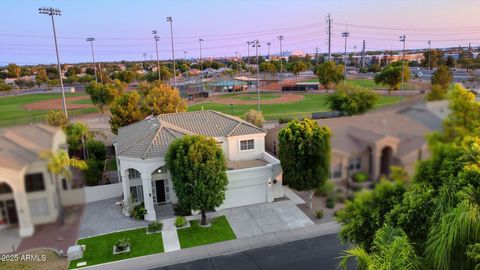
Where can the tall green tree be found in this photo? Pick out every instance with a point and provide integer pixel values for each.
(13, 71)
(329, 73)
(126, 110)
(391, 76)
(298, 67)
(41, 77)
(305, 152)
(159, 98)
(254, 117)
(437, 92)
(442, 76)
(198, 169)
(351, 99)
(103, 95)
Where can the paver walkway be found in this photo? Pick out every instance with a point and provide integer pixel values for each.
(169, 235)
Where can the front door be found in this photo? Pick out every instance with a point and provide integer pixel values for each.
(160, 191)
(11, 212)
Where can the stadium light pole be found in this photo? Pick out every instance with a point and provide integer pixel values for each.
(248, 59)
(345, 35)
(402, 39)
(256, 45)
(157, 38)
(91, 40)
(429, 55)
(170, 20)
(200, 40)
(268, 45)
(280, 38)
(56, 12)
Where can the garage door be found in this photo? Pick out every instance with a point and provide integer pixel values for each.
(245, 195)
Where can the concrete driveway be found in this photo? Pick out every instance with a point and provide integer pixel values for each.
(248, 221)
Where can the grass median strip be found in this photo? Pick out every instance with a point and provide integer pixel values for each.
(99, 248)
(195, 235)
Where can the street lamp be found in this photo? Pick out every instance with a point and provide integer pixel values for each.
(56, 12)
(345, 35)
(157, 38)
(256, 44)
(402, 38)
(280, 38)
(169, 19)
(91, 40)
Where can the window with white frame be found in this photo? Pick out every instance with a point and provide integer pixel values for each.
(355, 163)
(136, 192)
(133, 174)
(247, 145)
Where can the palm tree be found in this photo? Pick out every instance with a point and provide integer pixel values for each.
(450, 235)
(59, 164)
(391, 249)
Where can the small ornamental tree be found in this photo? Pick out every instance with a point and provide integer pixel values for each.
(351, 99)
(305, 155)
(198, 170)
(103, 95)
(254, 117)
(392, 76)
(56, 119)
(442, 76)
(329, 73)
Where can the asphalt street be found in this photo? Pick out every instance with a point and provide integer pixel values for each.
(314, 253)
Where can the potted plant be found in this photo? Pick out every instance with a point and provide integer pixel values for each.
(121, 246)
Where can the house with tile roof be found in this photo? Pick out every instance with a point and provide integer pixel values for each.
(254, 176)
(28, 192)
(370, 143)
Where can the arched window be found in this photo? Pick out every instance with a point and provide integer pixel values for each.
(134, 174)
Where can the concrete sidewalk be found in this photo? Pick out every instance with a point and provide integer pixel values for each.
(222, 248)
(170, 236)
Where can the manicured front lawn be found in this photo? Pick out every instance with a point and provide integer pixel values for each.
(195, 235)
(303, 108)
(99, 248)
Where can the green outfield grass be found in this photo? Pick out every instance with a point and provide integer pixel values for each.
(303, 108)
(12, 111)
(370, 84)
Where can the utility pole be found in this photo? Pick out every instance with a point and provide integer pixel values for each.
(280, 38)
(429, 55)
(354, 57)
(363, 55)
(329, 30)
(91, 40)
(238, 62)
(345, 35)
(316, 56)
(402, 39)
(248, 59)
(170, 20)
(200, 40)
(185, 59)
(268, 45)
(157, 38)
(256, 44)
(56, 12)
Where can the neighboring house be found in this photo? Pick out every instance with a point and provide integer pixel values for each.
(370, 143)
(254, 176)
(430, 114)
(28, 192)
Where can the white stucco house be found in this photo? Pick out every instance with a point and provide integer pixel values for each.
(254, 176)
(28, 192)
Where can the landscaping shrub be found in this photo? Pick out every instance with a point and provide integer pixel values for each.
(319, 214)
(96, 150)
(93, 174)
(339, 196)
(154, 227)
(360, 177)
(284, 120)
(122, 244)
(330, 202)
(182, 210)
(356, 188)
(325, 189)
(139, 211)
(180, 221)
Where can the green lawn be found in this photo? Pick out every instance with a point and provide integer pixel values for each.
(370, 84)
(303, 108)
(13, 113)
(99, 248)
(195, 235)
